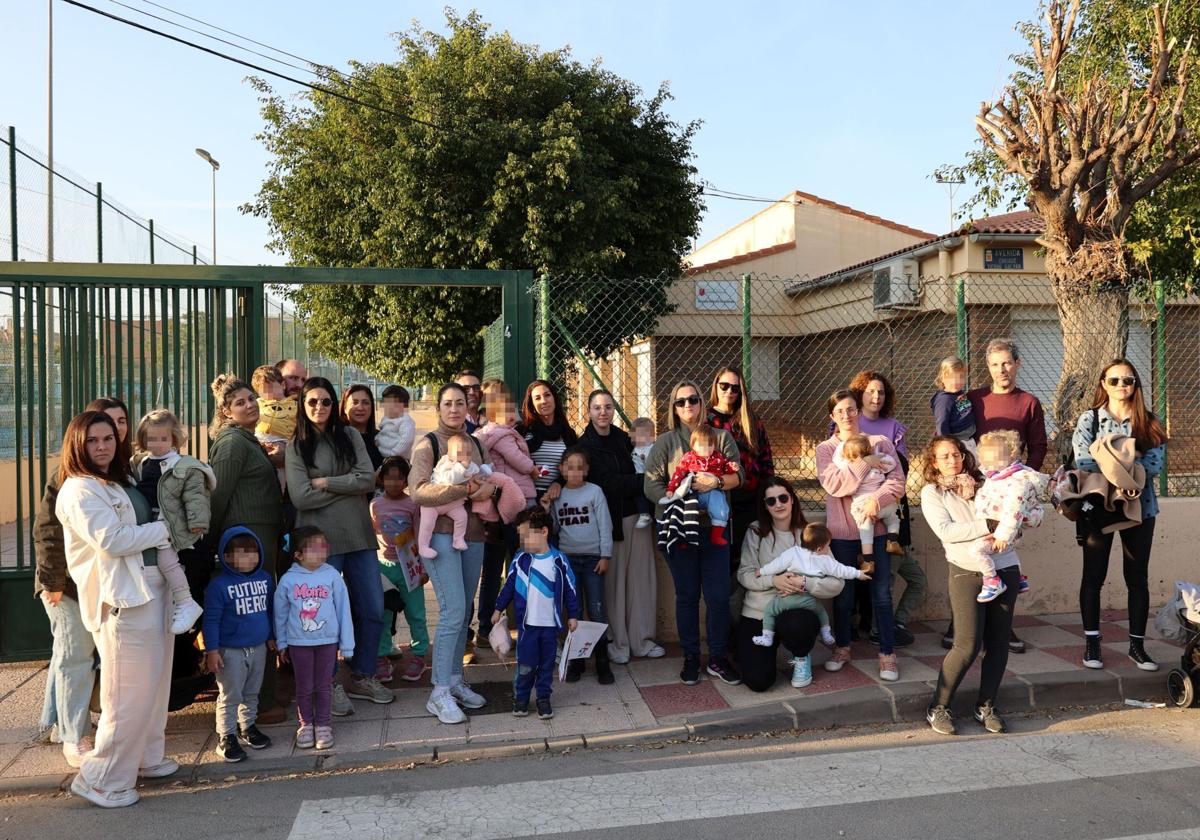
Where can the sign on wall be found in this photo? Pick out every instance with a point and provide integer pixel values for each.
(1004, 259)
(717, 294)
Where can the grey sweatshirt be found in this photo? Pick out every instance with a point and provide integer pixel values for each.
(582, 520)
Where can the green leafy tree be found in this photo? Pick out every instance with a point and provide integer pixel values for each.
(472, 151)
(1096, 131)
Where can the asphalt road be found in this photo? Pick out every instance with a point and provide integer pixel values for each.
(1088, 776)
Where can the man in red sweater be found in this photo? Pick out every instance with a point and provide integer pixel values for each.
(1005, 406)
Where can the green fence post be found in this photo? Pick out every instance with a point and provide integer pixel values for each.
(543, 328)
(1160, 370)
(12, 191)
(746, 333)
(960, 316)
(517, 317)
(151, 242)
(99, 223)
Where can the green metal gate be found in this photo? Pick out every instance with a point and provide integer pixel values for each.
(153, 336)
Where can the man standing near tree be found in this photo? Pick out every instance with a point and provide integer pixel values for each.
(1005, 406)
(294, 373)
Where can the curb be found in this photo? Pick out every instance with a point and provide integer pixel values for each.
(872, 704)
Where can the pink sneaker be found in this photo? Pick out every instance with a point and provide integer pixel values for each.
(383, 669)
(414, 668)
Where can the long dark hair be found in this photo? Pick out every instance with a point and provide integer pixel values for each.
(124, 446)
(75, 461)
(343, 407)
(765, 526)
(1147, 429)
(929, 468)
(307, 435)
(529, 416)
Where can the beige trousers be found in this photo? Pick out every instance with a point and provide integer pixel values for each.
(631, 591)
(136, 649)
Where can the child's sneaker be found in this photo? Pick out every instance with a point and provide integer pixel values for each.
(414, 669)
(992, 589)
(545, 712)
(252, 738)
(184, 616)
(304, 738)
(324, 737)
(520, 707)
(383, 669)
(717, 535)
(643, 521)
(801, 671)
(230, 750)
(1023, 586)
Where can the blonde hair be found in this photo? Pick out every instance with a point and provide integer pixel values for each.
(672, 417)
(857, 446)
(1006, 437)
(265, 373)
(158, 418)
(948, 365)
(494, 391)
(704, 433)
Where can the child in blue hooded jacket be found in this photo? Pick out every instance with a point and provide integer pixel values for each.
(237, 632)
(539, 584)
(312, 620)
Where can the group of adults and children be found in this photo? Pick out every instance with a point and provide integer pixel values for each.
(310, 506)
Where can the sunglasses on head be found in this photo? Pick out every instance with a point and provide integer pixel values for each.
(323, 401)
(1114, 381)
(730, 386)
(682, 401)
(771, 501)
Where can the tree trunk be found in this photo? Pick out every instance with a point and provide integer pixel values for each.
(1094, 314)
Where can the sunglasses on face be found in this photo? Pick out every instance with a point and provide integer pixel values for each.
(682, 401)
(472, 387)
(314, 402)
(730, 386)
(771, 501)
(1114, 381)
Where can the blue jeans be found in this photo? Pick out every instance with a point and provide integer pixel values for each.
(454, 575)
(717, 505)
(536, 647)
(847, 552)
(591, 585)
(70, 677)
(695, 569)
(360, 570)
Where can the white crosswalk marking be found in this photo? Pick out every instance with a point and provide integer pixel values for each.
(746, 787)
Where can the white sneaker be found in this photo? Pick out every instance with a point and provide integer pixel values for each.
(74, 753)
(617, 658)
(164, 768)
(656, 651)
(183, 618)
(466, 696)
(441, 703)
(340, 704)
(643, 521)
(103, 798)
(324, 737)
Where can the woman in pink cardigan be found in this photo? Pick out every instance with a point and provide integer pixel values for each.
(840, 483)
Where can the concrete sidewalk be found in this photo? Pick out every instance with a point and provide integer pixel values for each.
(647, 702)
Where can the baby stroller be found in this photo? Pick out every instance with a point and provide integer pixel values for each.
(1183, 612)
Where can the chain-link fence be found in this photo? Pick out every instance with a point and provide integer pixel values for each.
(798, 340)
(88, 225)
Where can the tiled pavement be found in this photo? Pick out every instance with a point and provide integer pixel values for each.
(647, 694)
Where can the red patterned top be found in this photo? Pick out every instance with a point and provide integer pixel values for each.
(756, 465)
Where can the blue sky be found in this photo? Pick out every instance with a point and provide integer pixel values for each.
(854, 101)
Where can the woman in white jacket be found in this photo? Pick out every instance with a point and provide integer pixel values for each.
(110, 545)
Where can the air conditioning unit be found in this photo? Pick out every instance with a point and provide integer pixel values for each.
(897, 284)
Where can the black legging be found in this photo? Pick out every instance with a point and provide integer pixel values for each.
(1135, 551)
(795, 629)
(976, 626)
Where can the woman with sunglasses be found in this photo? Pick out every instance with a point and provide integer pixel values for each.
(729, 409)
(703, 567)
(329, 479)
(840, 482)
(1119, 408)
(779, 526)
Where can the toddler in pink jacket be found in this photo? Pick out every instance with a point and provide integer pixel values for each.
(1009, 501)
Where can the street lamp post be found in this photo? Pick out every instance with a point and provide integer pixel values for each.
(215, 166)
